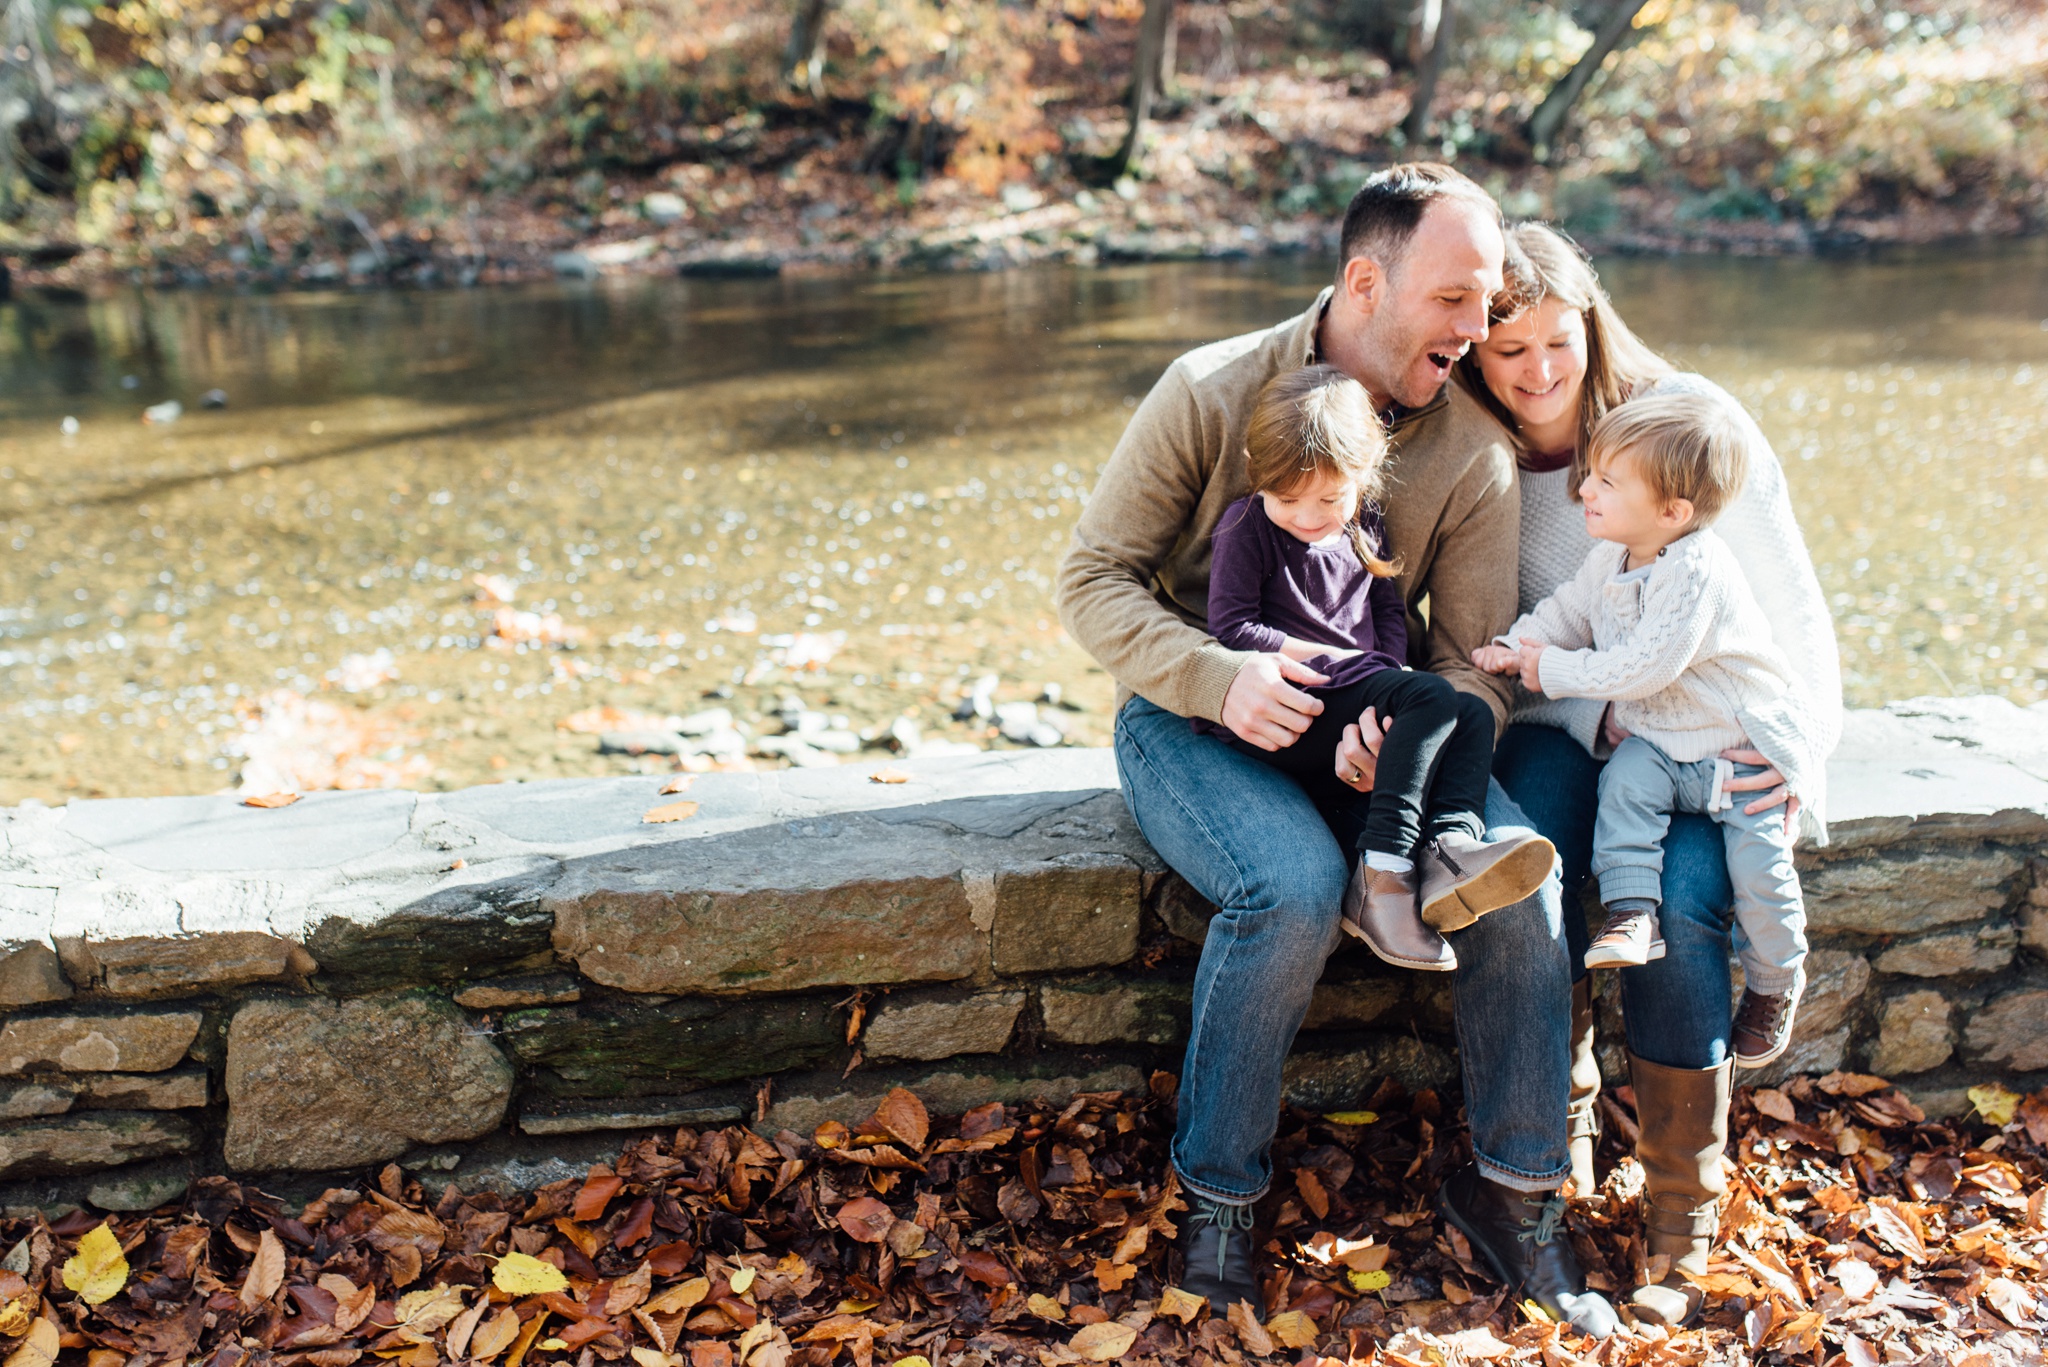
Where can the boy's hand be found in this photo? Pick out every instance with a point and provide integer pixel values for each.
(1530, 660)
(1497, 659)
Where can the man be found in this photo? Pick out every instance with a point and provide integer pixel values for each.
(1421, 259)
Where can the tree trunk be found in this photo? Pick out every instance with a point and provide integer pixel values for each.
(1548, 120)
(805, 61)
(1432, 67)
(1144, 78)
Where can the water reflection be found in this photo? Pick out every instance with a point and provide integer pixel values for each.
(651, 464)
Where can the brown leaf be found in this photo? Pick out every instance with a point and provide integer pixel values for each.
(1111, 1277)
(710, 1355)
(594, 1195)
(673, 811)
(629, 1291)
(496, 1336)
(1250, 1332)
(1103, 1342)
(270, 800)
(680, 1297)
(985, 1268)
(403, 1265)
(1016, 1202)
(463, 1326)
(1774, 1104)
(1851, 1084)
(903, 1116)
(865, 1219)
(266, 1271)
(1312, 1194)
(830, 1135)
(398, 1227)
(1897, 1228)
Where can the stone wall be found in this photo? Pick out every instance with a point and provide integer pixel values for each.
(477, 981)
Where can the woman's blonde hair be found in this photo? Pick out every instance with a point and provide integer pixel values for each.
(1683, 445)
(1542, 263)
(1318, 421)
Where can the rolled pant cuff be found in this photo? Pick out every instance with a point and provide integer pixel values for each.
(1631, 880)
(1769, 981)
(1516, 1180)
(1216, 1194)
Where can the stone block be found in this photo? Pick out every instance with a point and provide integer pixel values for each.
(178, 1090)
(1807, 1054)
(931, 1027)
(30, 974)
(1835, 983)
(144, 1042)
(1076, 911)
(624, 1048)
(2010, 1032)
(315, 1084)
(532, 989)
(144, 1187)
(172, 966)
(37, 1096)
(1904, 892)
(2033, 914)
(1108, 1011)
(944, 1092)
(1977, 949)
(1913, 1034)
(1345, 1079)
(1349, 1005)
(493, 922)
(1184, 912)
(642, 1113)
(55, 1146)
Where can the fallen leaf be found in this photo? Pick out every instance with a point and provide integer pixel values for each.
(1112, 1276)
(830, 1135)
(595, 1194)
(1995, 1102)
(903, 1116)
(1250, 1332)
(1292, 1329)
(865, 1219)
(39, 1349)
(1016, 1203)
(420, 1313)
(888, 776)
(1774, 1104)
(270, 800)
(680, 1297)
(1363, 1257)
(679, 784)
(914, 1360)
(1857, 1278)
(1045, 1307)
(985, 1268)
(98, 1270)
(521, 1274)
(1182, 1305)
(1477, 1344)
(1103, 1342)
(266, 1271)
(673, 811)
(1352, 1117)
(1895, 1227)
(463, 1326)
(1374, 1280)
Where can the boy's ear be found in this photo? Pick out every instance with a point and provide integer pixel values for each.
(1677, 513)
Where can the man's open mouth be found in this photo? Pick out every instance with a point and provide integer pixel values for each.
(1441, 362)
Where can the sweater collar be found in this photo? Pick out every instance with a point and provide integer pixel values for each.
(1299, 343)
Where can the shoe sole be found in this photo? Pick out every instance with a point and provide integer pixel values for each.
(1505, 883)
(1610, 957)
(1420, 966)
(1760, 1060)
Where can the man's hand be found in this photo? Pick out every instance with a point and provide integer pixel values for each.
(1358, 754)
(1262, 706)
(1497, 659)
(1770, 778)
(1532, 659)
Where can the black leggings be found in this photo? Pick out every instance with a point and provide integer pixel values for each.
(1433, 766)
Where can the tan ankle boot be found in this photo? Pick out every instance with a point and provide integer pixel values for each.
(1464, 878)
(1380, 909)
(1582, 1112)
(1683, 1116)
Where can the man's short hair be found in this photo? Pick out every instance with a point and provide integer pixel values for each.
(1388, 208)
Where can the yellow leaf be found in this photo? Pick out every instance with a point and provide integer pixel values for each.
(650, 1357)
(39, 1349)
(1352, 1117)
(1376, 1280)
(914, 1360)
(14, 1318)
(552, 1345)
(856, 1307)
(1995, 1102)
(1103, 1342)
(1182, 1305)
(680, 1297)
(673, 811)
(1536, 1313)
(741, 1280)
(1045, 1307)
(1292, 1329)
(521, 1274)
(99, 1269)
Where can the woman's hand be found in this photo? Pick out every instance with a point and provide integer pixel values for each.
(1497, 659)
(1770, 778)
(1531, 663)
(1612, 731)
(1358, 753)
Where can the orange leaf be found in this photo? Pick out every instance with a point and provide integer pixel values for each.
(903, 1116)
(598, 1189)
(680, 783)
(985, 1268)
(1111, 1277)
(865, 1219)
(1250, 1332)
(674, 811)
(888, 776)
(271, 800)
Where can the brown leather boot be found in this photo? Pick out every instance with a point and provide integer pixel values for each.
(1582, 1112)
(1683, 1116)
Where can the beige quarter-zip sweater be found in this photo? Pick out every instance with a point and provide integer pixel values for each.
(1134, 587)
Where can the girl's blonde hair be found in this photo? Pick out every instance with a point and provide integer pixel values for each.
(1542, 263)
(1318, 421)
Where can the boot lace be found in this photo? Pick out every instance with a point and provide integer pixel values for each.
(1759, 1014)
(1225, 1218)
(1550, 1215)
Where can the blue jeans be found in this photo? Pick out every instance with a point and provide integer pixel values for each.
(1676, 1007)
(1246, 837)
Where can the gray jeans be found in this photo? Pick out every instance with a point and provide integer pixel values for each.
(1639, 790)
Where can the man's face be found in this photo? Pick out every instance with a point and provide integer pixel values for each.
(1424, 314)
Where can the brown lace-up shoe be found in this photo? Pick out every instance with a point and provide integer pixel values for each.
(1763, 1027)
(1628, 940)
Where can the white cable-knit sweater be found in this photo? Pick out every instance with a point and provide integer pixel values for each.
(1684, 653)
(1758, 526)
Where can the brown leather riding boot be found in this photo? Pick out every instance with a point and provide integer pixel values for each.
(1582, 1112)
(1683, 1116)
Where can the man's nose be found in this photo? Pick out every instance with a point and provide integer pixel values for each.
(1471, 321)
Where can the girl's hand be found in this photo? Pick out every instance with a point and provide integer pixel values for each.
(1497, 659)
(1770, 778)
(1531, 658)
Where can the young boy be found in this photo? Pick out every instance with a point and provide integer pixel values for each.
(1661, 623)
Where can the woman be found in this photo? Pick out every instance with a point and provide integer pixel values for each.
(1549, 369)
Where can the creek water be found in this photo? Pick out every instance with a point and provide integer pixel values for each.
(849, 493)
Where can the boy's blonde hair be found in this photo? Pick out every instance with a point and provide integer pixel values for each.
(1688, 446)
(1319, 421)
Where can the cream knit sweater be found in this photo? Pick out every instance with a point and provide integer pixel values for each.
(1684, 653)
(1759, 526)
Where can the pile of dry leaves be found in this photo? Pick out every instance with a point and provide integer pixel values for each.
(1858, 1232)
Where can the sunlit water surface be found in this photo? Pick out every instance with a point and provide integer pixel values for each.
(664, 465)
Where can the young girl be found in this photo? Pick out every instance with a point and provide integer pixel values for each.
(1299, 568)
